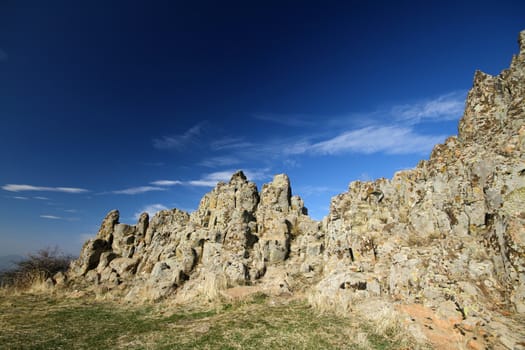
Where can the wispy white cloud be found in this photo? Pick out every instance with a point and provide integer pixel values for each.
(234, 151)
(373, 139)
(449, 106)
(83, 237)
(230, 143)
(211, 179)
(293, 120)
(364, 177)
(257, 174)
(445, 107)
(41, 198)
(180, 142)
(368, 132)
(55, 217)
(221, 161)
(150, 209)
(3, 56)
(391, 129)
(308, 190)
(138, 190)
(291, 163)
(206, 180)
(21, 198)
(21, 188)
(166, 182)
(51, 217)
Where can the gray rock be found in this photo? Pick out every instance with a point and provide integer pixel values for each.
(89, 257)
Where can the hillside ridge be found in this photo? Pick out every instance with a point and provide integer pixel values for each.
(447, 237)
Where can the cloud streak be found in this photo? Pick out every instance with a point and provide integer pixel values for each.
(230, 143)
(363, 133)
(51, 217)
(54, 217)
(445, 107)
(372, 139)
(293, 120)
(166, 182)
(307, 191)
(220, 161)
(22, 188)
(180, 142)
(151, 209)
(207, 180)
(138, 190)
(211, 179)
(392, 130)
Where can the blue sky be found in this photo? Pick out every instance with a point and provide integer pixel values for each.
(142, 106)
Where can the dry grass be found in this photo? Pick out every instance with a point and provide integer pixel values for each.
(378, 320)
(42, 321)
(31, 273)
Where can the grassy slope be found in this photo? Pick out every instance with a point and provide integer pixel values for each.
(39, 321)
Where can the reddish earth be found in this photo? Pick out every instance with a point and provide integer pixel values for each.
(444, 332)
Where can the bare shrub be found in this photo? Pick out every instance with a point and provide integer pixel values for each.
(35, 268)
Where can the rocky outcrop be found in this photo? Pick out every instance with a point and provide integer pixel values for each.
(450, 230)
(453, 227)
(447, 236)
(233, 237)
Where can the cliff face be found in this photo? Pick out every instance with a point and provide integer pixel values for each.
(448, 235)
(454, 227)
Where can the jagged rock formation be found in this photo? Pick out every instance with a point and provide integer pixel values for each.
(231, 240)
(450, 230)
(448, 235)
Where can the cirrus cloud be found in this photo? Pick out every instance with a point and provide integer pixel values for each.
(166, 182)
(138, 190)
(373, 139)
(180, 142)
(51, 217)
(151, 209)
(211, 179)
(449, 106)
(21, 188)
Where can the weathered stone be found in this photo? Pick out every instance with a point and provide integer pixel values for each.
(518, 298)
(124, 266)
(105, 259)
(108, 224)
(447, 236)
(124, 239)
(277, 194)
(142, 225)
(89, 257)
(60, 278)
